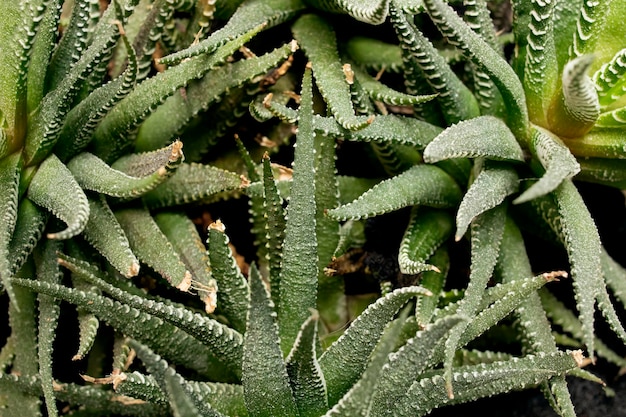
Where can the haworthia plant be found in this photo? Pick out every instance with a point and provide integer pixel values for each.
(398, 161)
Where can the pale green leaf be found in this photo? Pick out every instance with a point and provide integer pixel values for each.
(193, 183)
(184, 237)
(492, 185)
(104, 233)
(406, 365)
(152, 247)
(420, 185)
(476, 381)
(484, 136)
(481, 53)
(609, 79)
(317, 39)
(54, 188)
(556, 159)
(10, 168)
(249, 15)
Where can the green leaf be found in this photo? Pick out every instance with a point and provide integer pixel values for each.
(104, 233)
(264, 376)
(481, 53)
(375, 54)
(299, 270)
(345, 360)
(10, 169)
(274, 229)
(305, 376)
(380, 92)
(406, 365)
(609, 79)
(82, 120)
(556, 159)
(152, 247)
(373, 12)
(484, 136)
(249, 15)
(575, 110)
(433, 281)
(111, 137)
(160, 335)
(182, 398)
(486, 234)
(184, 237)
(420, 185)
(317, 39)
(88, 325)
(427, 230)
(492, 185)
(195, 183)
(589, 25)
(456, 100)
(46, 122)
(49, 312)
(232, 297)
(476, 381)
(170, 118)
(92, 173)
(29, 227)
(541, 66)
(54, 188)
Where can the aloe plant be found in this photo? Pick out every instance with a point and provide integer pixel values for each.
(115, 120)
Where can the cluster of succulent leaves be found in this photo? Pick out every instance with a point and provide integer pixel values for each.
(98, 98)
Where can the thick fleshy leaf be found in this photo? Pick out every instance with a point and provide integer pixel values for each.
(375, 54)
(54, 188)
(305, 376)
(193, 183)
(183, 235)
(152, 247)
(426, 231)
(406, 365)
(29, 227)
(264, 375)
(476, 381)
(232, 297)
(92, 173)
(170, 118)
(10, 168)
(82, 120)
(481, 53)
(420, 185)
(541, 66)
(492, 185)
(556, 159)
(373, 12)
(248, 16)
(456, 100)
(317, 39)
(609, 79)
(111, 137)
(575, 110)
(299, 270)
(486, 234)
(183, 400)
(344, 361)
(104, 233)
(484, 136)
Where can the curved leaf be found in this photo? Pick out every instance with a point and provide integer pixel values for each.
(53, 187)
(420, 185)
(484, 136)
(492, 185)
(558, 162)
(426, 231)
(344, 361)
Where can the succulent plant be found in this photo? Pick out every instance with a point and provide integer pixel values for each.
(477, 143)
